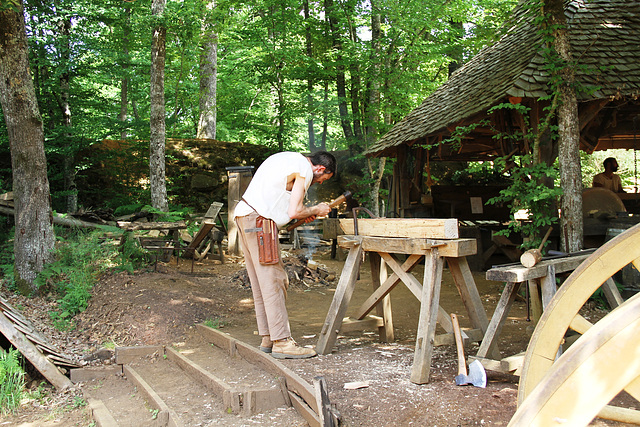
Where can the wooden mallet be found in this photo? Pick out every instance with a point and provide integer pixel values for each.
(533, 256)
(343, 198)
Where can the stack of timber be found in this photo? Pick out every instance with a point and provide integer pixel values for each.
(21, 333)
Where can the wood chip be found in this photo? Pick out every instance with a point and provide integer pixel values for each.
(356, 385)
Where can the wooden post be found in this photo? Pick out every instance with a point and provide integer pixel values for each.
(429, 304)
(341, 298)
(239, 179)
(490, 340)
(383, 309)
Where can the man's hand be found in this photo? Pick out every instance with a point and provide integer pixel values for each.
(322, 209)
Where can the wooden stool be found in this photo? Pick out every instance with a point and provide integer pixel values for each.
(541, 280)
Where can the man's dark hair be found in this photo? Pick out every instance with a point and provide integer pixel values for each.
(322, 158)
(608, 161)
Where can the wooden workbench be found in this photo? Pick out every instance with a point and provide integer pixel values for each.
(381, 249)
(541, 280)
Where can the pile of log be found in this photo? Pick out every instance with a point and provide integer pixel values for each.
(302, 273)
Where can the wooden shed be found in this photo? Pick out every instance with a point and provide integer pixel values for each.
(605, 40)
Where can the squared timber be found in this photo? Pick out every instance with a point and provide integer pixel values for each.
(426, 228)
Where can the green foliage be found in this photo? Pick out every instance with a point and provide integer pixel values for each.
(11, 381)
(80, 257)
(216, 323)
(174, 214)
(478, 173)
(7, 258)
(276, 74)
(527, 193)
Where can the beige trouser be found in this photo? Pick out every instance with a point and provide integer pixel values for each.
(268, 283)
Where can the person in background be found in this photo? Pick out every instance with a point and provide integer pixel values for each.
(276, 193)
(609, 179)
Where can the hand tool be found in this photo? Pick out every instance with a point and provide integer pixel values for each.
(533, 256)
(477, 375)
(343, 198)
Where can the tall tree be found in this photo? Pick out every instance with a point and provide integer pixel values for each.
(208, 78)
(124, 80)
(568, 130)
(64, 94)
(157, 175)
(34, 237)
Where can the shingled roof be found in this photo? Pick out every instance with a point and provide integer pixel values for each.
(605, 37)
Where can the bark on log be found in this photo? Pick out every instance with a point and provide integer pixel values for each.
(68, 222)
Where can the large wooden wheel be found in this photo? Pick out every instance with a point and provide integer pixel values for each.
(562, 315)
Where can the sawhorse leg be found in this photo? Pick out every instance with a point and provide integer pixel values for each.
(341, 298)
(383, 308)
(490, 340)
(429, 304)
(463, 278)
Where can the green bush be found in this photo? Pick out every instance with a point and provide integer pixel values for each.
(81, 257)
(11, 381)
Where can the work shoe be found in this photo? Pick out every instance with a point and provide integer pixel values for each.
(266, 344)
(289, 349)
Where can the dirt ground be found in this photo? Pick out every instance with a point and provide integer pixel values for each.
(162, 306)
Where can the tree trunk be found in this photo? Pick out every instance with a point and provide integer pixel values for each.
(208, 79)
(373, 108)
(124, 82)
(34, 237)
(341, 83)
(309, 52)
(569, 135)
(69, 167)
(157, 119)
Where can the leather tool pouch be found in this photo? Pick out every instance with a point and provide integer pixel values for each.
(268, 252)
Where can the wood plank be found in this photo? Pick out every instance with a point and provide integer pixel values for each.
(205, 228)
(431, 228)
(29, 350)
(206, 378)
(341, 298)
(519, 273)
(427, 320)
(214, 210)
(405, 245)
(456, 248)
(305, 411)
(370, 322)
(322, 400)
(134, 226)
(101, 414)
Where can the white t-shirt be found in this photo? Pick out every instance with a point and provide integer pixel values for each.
(267, 192)
(614, 183)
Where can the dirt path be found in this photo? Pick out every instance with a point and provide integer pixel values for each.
(161, 308)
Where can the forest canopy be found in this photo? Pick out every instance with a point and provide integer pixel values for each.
(290, 75)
